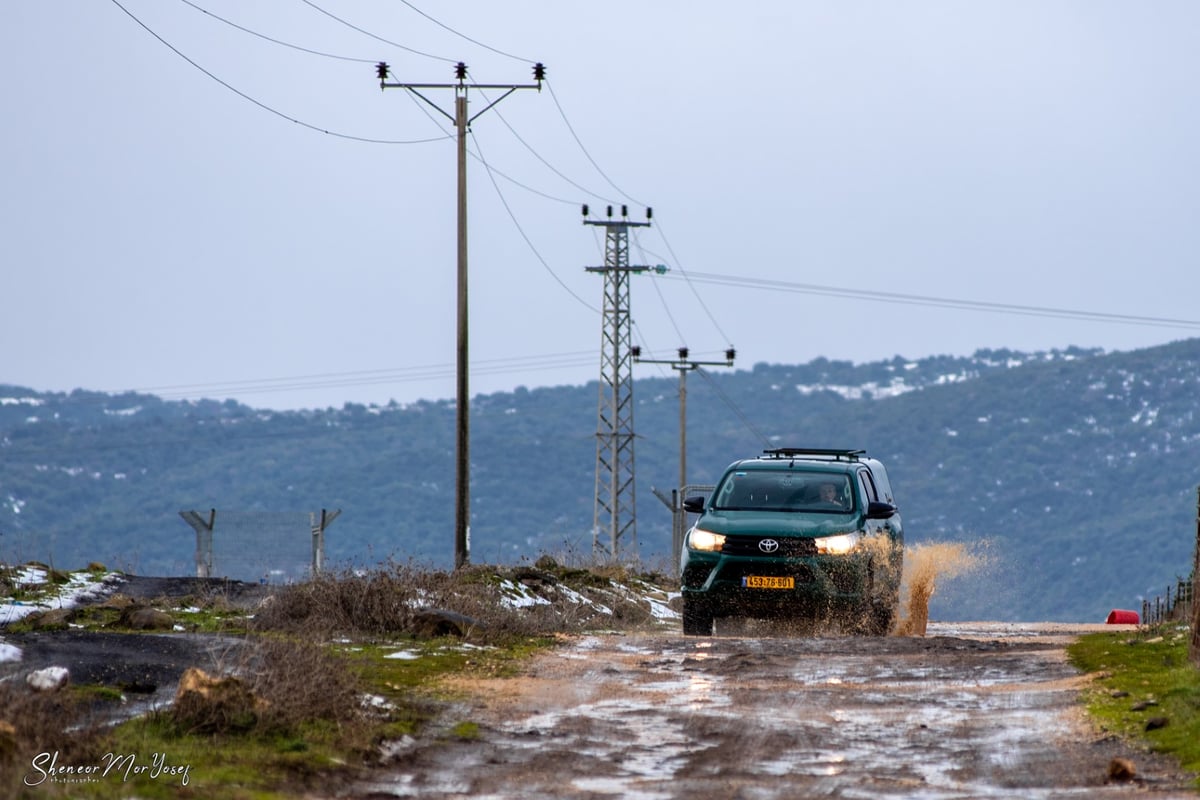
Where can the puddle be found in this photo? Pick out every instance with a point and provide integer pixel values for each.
(657, 716)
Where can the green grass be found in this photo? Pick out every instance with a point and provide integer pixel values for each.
(225, 767)
(1140, 677)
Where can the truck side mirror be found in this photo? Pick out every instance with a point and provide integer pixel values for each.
(876, 510)
(694, 505)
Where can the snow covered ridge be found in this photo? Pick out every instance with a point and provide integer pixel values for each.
(21, 401)
(870, 389)
(916, 375)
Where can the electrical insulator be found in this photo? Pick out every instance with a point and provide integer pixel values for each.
(649, 213)
(460, 71)
(585, 209)
(381, 70)
(636, 351)
(729, 354)
(683, 353)
(609, 210)
(539, 72)
(624, 211)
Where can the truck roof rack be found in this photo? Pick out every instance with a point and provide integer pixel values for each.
(802, 452)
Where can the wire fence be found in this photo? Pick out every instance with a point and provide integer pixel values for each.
(1174, 606)
(259, 546)
(1179, 604)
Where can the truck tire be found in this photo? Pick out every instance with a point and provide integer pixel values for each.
(696, 620)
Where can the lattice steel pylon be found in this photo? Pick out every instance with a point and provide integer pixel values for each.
(615, 519)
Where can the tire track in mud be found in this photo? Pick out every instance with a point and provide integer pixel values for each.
(977, 711)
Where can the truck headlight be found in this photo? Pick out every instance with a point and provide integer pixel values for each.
(699, 539)
(837, 545)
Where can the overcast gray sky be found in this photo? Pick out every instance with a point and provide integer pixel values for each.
(210, 223)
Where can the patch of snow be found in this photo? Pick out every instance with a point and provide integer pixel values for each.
(577, 598)
(79, 586)
(9, 652)
(517, 595)
(376, 702)
(662, 610)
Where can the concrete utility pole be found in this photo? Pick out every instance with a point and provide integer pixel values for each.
(683, 366)
(615, 509)
(462, 493)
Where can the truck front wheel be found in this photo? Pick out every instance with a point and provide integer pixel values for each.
(697, 621)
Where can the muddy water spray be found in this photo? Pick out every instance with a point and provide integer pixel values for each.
(924, 566)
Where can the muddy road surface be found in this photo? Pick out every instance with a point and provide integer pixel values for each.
(968, 711)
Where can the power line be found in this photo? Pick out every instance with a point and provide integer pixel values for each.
(939, 302)
(661, 297)
(462, 35)
(586, 154)
(276, 41)
(675, 260)
(370, 377)
(524, 235)
(735, 409)
(539, 157)
(490, 168)
(365, 32)
(259, 103)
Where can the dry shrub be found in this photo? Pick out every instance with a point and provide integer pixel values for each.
(34, 722)
(353, 601)
(490, 603)
(208, 704)
(301, 681)
(272, 684)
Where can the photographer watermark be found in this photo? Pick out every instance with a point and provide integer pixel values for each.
(47, 767)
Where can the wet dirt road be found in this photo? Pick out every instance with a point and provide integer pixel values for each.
(968, 711)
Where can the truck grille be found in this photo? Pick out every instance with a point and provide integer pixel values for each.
(789, 547)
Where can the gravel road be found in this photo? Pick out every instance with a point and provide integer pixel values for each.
(982, 710)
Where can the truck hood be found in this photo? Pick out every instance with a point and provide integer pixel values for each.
(778, 523)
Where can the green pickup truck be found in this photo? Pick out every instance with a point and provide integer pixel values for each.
(795, 534)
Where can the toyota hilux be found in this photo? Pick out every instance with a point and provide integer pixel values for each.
(806, 534)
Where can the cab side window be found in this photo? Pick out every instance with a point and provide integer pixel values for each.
(868, 487)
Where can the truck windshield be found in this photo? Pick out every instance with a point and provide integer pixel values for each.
(785, 490)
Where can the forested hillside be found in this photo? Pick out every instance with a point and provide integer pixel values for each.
(1074, 471)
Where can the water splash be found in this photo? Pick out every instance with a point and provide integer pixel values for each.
(924, 566)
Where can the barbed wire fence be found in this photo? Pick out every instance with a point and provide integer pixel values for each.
(259, 546)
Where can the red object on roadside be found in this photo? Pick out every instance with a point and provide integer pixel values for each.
(1119, 617)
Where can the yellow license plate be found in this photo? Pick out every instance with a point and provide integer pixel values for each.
(767, 582)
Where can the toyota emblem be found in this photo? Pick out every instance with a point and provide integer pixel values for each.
(768, 545)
